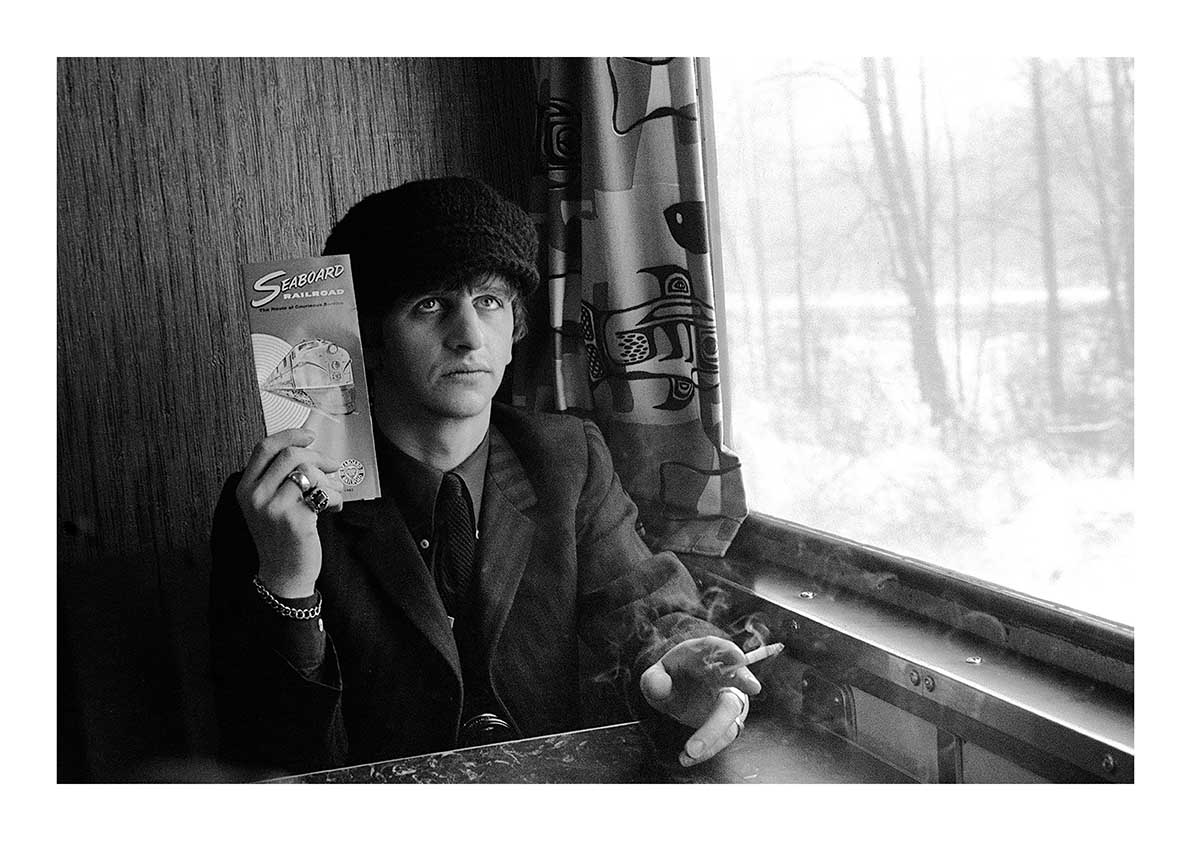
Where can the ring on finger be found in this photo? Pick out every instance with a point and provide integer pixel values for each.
(302, 481)
(744, 706)
(317, 500)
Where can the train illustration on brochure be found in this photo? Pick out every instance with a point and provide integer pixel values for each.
(310, 363)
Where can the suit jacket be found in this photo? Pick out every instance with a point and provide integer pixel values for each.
(568, 591)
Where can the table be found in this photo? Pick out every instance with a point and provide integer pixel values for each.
(773, 749)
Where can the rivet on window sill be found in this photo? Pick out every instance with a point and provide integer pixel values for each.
(806, 594)
(929, 683)
(975, 661)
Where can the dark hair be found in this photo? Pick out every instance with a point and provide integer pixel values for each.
(436, 234)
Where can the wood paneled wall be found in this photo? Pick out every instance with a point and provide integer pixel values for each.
(171, 174)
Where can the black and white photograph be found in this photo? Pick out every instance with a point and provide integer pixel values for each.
(600, 427)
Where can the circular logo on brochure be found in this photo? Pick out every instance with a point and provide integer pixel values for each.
(351, 472)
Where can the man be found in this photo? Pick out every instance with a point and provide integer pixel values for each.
(467, 604)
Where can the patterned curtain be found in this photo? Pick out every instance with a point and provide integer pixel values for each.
(628, 279)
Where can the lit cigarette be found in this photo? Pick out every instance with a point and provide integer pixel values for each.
(755, 656)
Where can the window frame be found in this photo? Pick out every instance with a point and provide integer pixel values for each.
(1039, 714)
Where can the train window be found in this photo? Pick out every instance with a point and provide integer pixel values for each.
(928, 281)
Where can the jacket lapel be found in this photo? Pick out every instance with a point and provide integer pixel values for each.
(506, 538)
(377, 535)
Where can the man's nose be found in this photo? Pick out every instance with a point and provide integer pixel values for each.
(463, 329)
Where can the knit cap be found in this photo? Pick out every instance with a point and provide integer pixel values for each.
(431, 234)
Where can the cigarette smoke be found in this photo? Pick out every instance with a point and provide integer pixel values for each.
(748, 632)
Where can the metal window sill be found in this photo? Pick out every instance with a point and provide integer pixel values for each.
(915, 662)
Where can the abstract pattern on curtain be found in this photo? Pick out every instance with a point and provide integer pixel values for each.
(632, 313)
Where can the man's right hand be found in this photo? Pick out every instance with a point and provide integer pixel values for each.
(283, 526)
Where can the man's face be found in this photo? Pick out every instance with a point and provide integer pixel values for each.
(444, 353)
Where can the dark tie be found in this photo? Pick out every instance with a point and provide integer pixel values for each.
(482, 725)
(459, 542)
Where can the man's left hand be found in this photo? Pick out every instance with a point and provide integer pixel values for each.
(702, 683)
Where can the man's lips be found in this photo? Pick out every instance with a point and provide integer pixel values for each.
(465, 371)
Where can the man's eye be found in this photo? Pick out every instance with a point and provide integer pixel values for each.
(489, 302)
(428, 305)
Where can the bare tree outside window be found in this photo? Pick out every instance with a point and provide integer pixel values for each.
(935, 263)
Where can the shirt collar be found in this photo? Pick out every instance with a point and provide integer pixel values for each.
(414, 484)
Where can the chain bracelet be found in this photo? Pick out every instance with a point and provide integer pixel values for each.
(284, 609)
